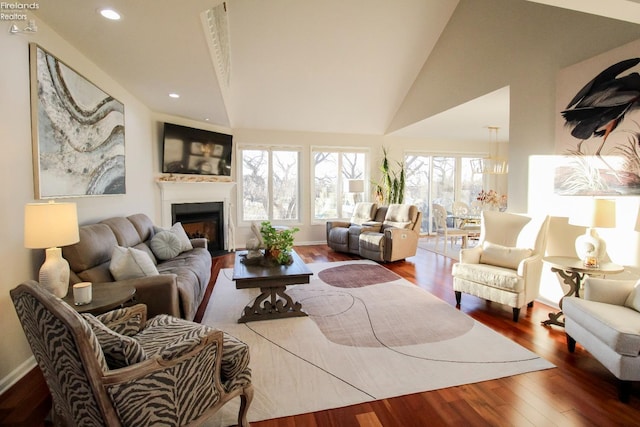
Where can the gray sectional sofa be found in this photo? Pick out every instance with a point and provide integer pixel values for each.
(177, 288)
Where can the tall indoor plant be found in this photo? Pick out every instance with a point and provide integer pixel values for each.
(390, 189)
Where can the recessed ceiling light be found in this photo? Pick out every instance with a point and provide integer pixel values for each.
(110, 14)
(174, 95)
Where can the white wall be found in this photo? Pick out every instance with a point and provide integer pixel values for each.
(17, 263)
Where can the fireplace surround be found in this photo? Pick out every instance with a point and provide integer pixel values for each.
(207, 203)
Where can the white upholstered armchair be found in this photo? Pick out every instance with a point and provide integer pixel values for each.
(606, 322)
(506, 265)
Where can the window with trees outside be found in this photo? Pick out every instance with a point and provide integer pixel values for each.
(332, 171)
(269, 183)
(439, 179)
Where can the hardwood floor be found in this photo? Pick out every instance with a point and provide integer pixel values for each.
(579, 392)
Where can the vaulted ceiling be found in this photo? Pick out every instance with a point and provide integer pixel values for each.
(341, 66)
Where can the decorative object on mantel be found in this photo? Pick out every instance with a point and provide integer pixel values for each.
(49, 226)
(491, 200)
(590, 247)
(193, 178)
(278, 242)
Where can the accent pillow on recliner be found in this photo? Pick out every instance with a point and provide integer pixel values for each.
(131, 263)
(165, 245)
(503, 256)
(178, 230)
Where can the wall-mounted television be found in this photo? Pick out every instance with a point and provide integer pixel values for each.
(195, 151)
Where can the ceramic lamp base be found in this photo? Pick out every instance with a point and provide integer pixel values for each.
(54, 273)
(590, 248)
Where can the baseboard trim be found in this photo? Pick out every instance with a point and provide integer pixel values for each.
(23, 369)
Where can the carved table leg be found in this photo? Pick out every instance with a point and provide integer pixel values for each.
(272, 303)
(573, 279)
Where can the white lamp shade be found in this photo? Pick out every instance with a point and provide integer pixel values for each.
(601, 213)
(356, 186)
(47, 225)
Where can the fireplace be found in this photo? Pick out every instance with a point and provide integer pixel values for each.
(202, 220)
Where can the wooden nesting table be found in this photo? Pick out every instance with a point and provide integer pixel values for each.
(272, 279)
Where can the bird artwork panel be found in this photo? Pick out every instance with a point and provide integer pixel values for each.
(598, 126)
(77, 132)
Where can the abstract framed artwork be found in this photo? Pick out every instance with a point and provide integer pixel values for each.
(77, 132)
(598, 125)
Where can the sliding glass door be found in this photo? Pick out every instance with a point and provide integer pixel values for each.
(439, 179)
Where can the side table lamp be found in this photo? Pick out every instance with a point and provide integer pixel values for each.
(590, 247)
(49, 226)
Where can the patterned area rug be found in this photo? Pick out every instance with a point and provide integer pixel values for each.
(369, 335)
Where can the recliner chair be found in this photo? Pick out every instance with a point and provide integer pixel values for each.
(398, 235)
(343, 236)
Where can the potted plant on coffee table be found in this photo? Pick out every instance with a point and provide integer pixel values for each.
(278, 242)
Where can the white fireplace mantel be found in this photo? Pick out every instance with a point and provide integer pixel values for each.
(176, 192)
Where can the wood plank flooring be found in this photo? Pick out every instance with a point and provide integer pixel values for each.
(579, 392)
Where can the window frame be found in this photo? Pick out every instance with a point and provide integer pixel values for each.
(366, 151)
(270, 149)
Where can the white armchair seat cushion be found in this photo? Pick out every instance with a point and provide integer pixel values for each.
(490, 275)
(616, 326)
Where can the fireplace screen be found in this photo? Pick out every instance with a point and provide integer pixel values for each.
(202, 220)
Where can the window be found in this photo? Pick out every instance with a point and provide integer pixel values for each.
(332, 171)
(439, 179)
(269, 184)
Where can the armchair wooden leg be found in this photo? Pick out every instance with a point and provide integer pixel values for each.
(571, 344)
(516, 314)
(624, 391)
(245, 401)
(458, 298)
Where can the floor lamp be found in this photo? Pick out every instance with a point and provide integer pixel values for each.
(49, 226)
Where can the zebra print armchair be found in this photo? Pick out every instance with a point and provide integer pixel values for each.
(120, 369)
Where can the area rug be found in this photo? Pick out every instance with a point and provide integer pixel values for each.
(370, 335)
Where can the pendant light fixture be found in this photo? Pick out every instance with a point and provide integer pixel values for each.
(493, 164)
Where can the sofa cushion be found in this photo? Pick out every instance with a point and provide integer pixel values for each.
(119, 350)
(363, 212)
(400, 216)
(130, 263)
(489, 275)
(616, 326)
(161, 331)
(503, 256)
(165, 245)
(94, 248)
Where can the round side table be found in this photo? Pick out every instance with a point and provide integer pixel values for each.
(573, 271)
(105, 297)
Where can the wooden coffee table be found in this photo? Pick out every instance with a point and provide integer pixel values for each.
(273, 301)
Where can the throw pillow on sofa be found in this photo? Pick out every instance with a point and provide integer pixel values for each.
(178, 230)
(165, 245)
(131, 263)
